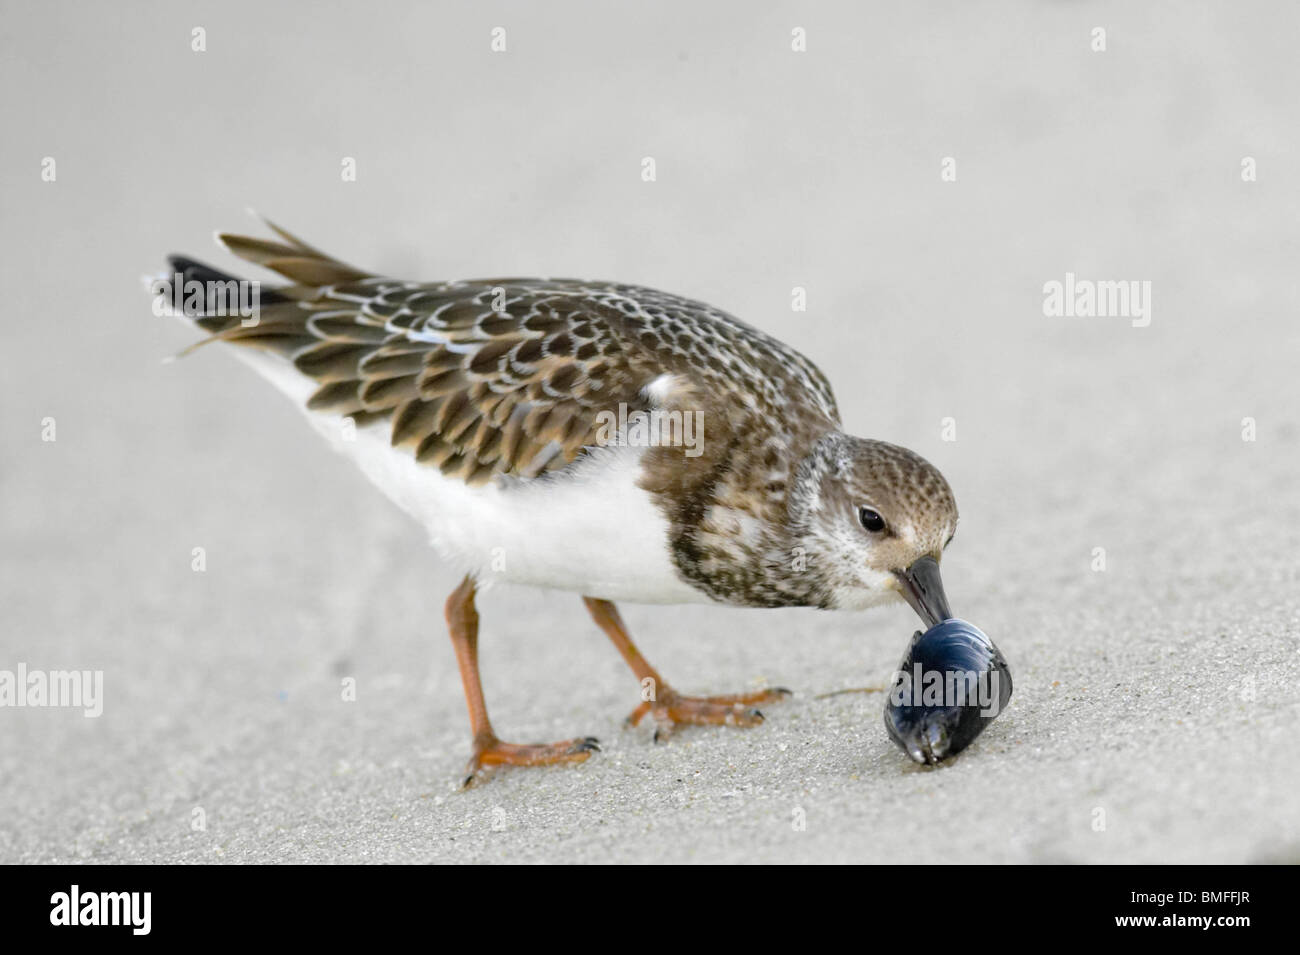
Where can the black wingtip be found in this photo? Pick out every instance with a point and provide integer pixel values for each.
(192, 270)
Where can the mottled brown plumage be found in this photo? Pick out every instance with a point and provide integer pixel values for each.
(506, 379)
(506, 376)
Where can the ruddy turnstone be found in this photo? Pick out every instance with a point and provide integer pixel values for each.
(503, 415)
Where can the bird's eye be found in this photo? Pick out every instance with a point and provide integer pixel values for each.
(871, 520)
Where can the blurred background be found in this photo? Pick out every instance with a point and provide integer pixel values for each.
(1160, 690)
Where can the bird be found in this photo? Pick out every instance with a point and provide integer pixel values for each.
(610, 440)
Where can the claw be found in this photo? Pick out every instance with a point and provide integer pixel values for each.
(490, 752)
(672, 709)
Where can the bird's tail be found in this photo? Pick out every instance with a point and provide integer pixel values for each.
(246, 312)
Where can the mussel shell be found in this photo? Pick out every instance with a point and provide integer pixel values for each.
(952, 682)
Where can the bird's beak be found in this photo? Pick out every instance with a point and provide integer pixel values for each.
(922, 588)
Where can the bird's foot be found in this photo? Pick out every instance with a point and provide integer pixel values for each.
(671, 708)
(490, 751)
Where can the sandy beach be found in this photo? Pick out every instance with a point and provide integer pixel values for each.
(1130, 522)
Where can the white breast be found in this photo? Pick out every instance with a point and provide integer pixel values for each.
(588, 529)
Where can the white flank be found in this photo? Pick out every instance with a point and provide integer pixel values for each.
(589, 530)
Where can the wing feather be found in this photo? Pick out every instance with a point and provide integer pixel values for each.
(507, 377)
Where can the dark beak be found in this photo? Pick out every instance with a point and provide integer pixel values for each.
(923, 589)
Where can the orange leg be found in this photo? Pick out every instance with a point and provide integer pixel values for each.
(462, 622)
(666, 705)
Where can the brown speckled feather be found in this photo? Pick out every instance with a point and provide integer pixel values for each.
(507, 376)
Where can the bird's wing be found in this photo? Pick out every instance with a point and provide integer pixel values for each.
(508, 376)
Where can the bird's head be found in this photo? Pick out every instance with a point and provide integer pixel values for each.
(874, 519)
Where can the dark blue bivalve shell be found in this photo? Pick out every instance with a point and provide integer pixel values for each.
(951, 684)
